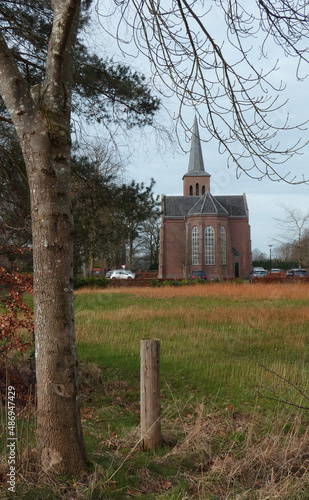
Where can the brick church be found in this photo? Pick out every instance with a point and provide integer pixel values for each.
(200, 231)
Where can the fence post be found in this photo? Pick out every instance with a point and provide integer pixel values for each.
(150, 394)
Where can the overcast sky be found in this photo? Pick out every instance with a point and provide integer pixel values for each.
(167, 165)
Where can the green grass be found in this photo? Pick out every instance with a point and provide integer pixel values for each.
(222, 436)
(208, 345)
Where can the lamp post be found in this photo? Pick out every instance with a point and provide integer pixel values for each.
(270, 247)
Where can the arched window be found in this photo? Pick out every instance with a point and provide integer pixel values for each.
(195, 246)
(203, 190)
(197, 189)
(191, 190)
(209, 246)
(223, 245)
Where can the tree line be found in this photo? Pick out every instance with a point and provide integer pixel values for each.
(113, 219)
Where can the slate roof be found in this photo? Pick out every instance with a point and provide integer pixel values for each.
(236, 205)
(182, 206)
(178, 206)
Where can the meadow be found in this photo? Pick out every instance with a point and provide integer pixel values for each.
(234, 393)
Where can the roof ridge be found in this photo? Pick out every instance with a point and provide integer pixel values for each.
(212, 201)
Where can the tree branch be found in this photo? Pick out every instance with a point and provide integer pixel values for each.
(56, 89)
(14, 89)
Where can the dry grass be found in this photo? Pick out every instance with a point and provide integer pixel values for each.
(275, 316)
(236, 290)
(231, 457)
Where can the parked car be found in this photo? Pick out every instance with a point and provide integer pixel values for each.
(257, 272)
(122, 274)
(108, 274)
(198, 275)
(275, 271)
(298, 273)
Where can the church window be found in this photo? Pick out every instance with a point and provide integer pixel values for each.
(195, 245)
(191, 190)
(197, 189)
(209, 246)
(203, 190)
(223, 245)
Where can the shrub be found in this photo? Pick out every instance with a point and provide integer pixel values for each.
(91, 282)
(154, 282)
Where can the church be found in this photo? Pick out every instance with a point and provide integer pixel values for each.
(200, 231)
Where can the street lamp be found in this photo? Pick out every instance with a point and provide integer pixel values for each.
(270, 247)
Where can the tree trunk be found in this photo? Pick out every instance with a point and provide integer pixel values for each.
(59, 433)
(41, 117)
(84, 269)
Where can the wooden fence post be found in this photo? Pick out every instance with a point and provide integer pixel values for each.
(150, 394)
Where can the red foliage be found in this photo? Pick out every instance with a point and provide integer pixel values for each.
(16, 323)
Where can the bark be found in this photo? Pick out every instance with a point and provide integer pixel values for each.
(42, 120)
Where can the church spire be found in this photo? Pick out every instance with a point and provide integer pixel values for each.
(196, 163)
(196, 181)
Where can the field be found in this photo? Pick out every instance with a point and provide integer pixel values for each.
(234, 386)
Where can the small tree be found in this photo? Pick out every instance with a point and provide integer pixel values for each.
(148, 242)
(293, 228)
(257, 254)
(136, 204)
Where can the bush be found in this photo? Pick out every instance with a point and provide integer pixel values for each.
(154, 282)
(186, 282)
(176, 283)
(91, 282)
(17, 326)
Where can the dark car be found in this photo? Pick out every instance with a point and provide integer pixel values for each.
(258, 272)
(297, 273)
(198, 275)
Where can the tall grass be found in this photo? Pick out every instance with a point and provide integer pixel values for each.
(215, 337)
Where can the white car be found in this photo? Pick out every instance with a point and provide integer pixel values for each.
(122, 274)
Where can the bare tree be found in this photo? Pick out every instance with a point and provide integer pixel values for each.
(257, 254)
(102, 154)
(222, 77)
(293, 228)
(284, 252)
(148, 243)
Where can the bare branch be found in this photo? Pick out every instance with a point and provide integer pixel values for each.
(235, 98)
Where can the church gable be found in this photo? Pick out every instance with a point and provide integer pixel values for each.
(207, 205)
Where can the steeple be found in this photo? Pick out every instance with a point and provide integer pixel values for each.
(194, 182)
(196, 163)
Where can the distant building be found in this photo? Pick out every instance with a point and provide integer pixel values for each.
(200, 231)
